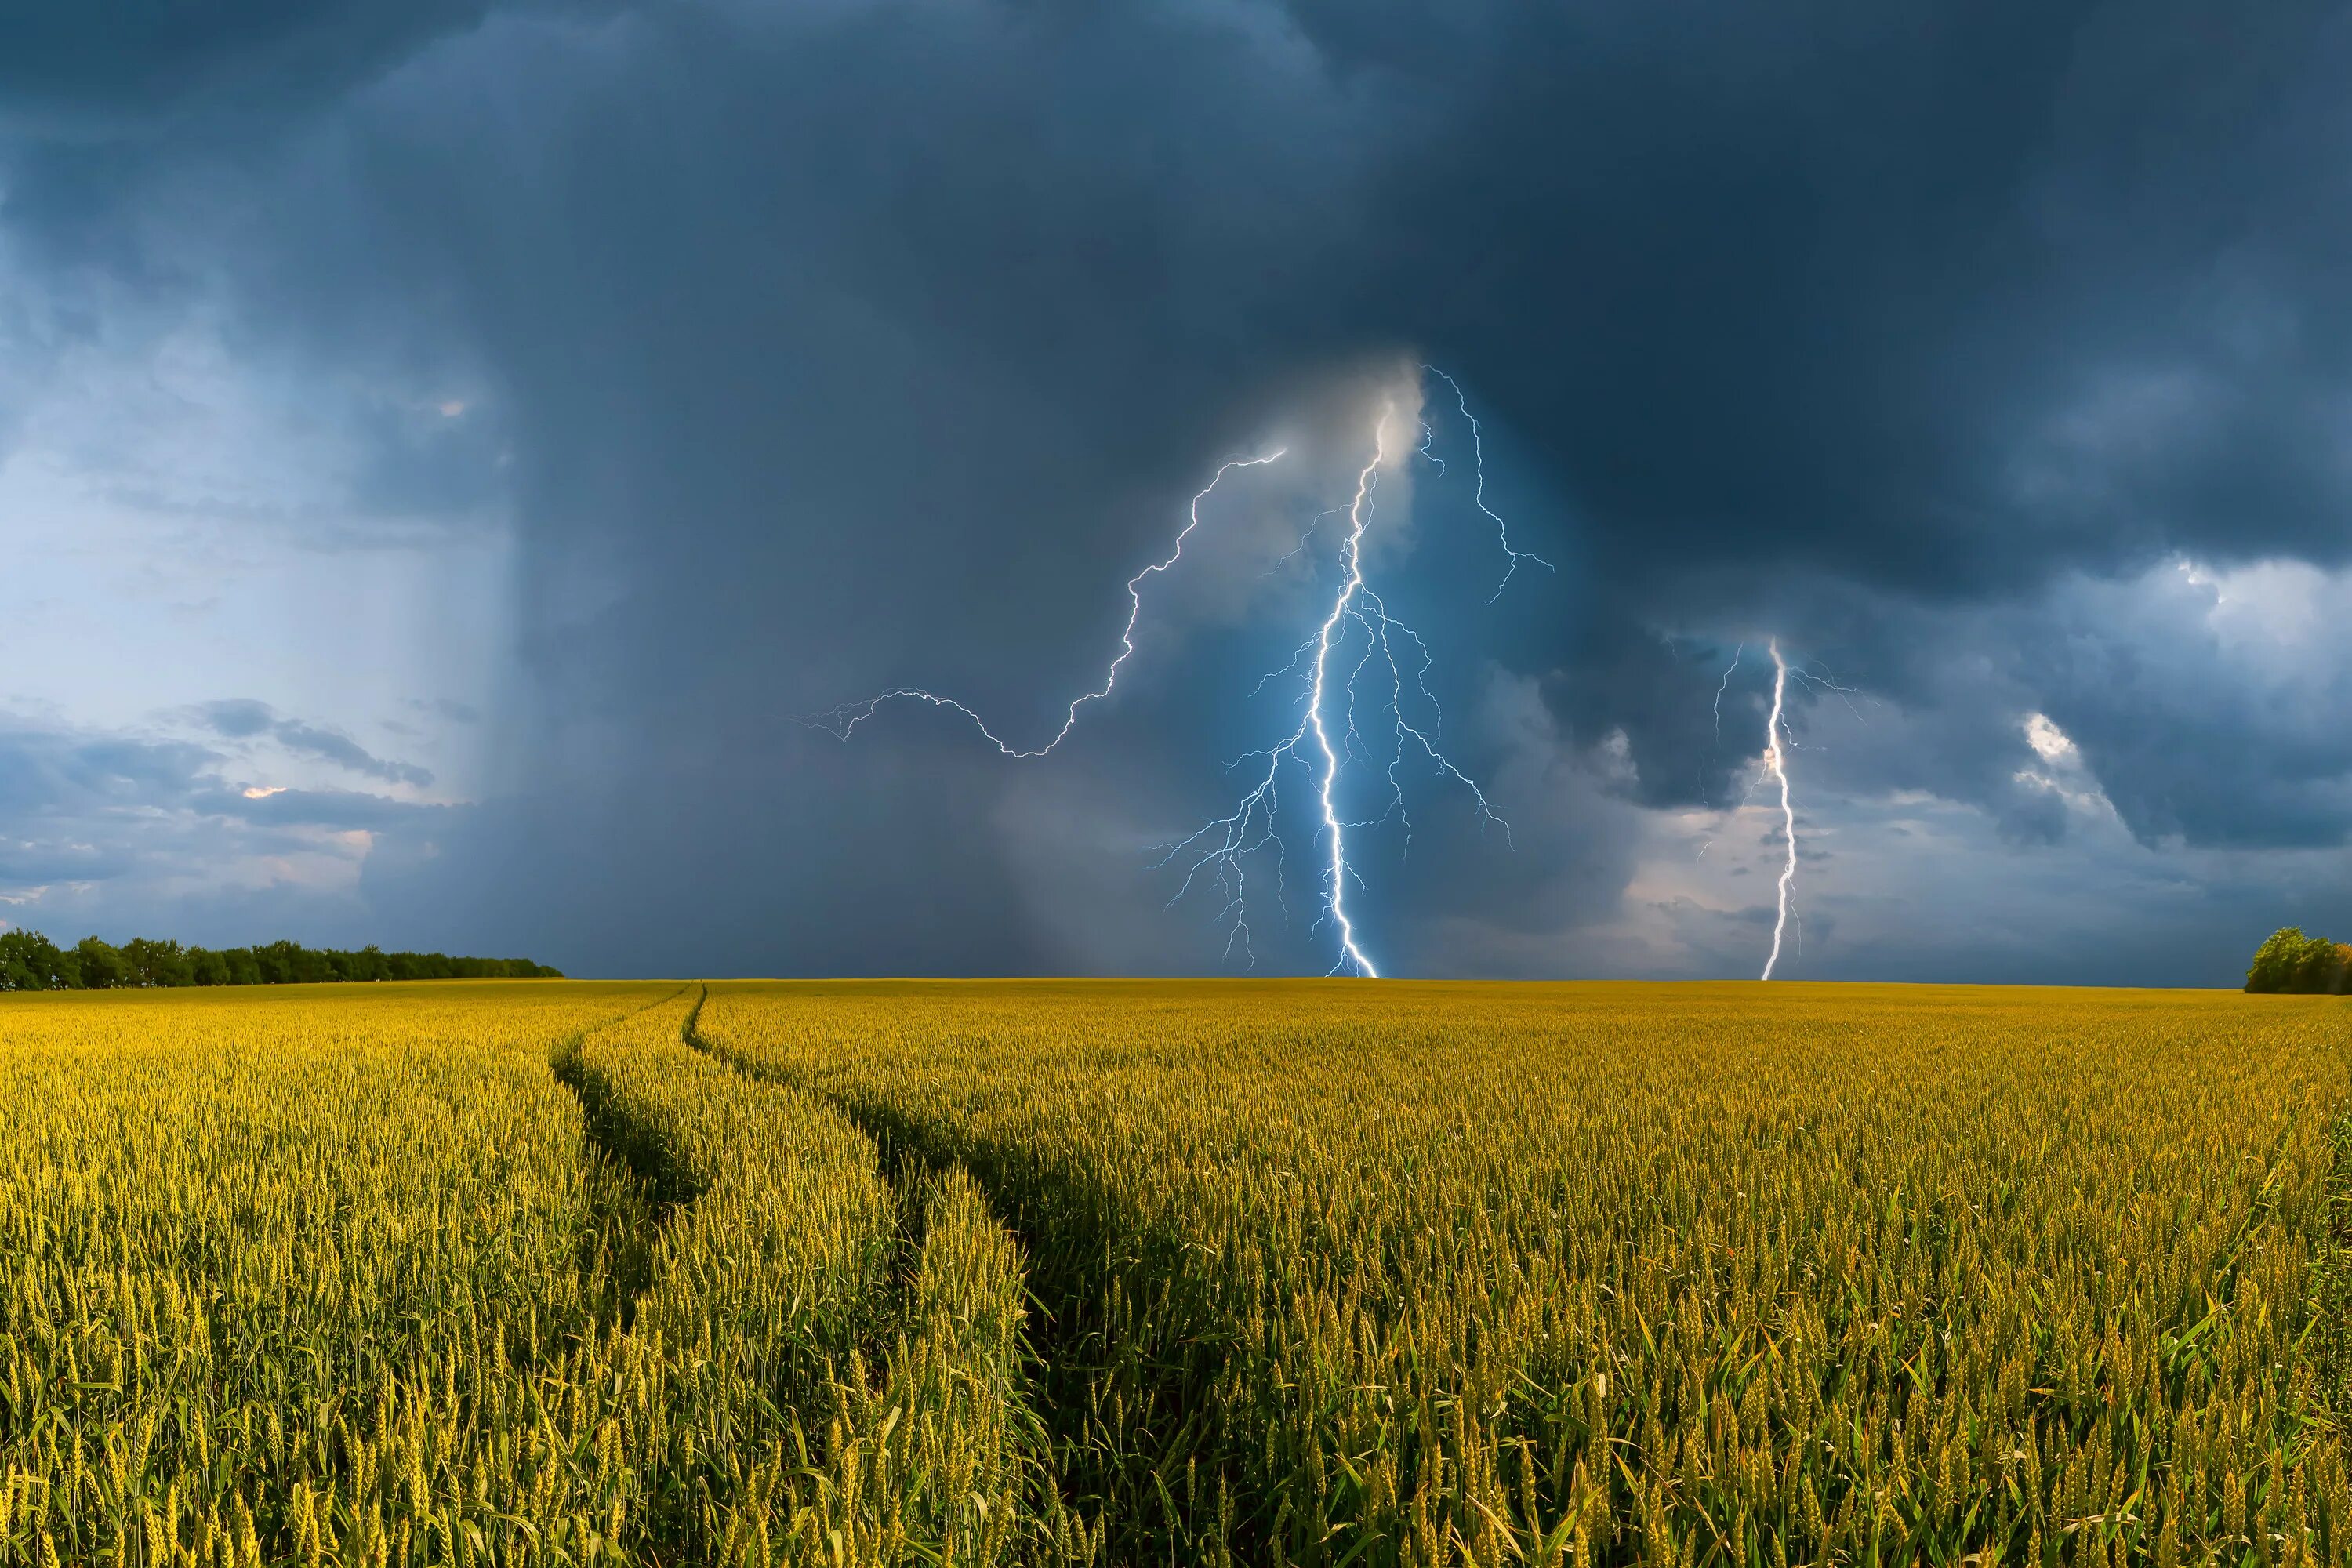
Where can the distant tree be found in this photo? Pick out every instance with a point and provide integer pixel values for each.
(154, 963)
(2273, 965)
(2316, 966)
(102, 968)
(2290, 960)
(30, 962)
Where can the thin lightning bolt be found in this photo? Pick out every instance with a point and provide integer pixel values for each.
(843, 721)
(1721, 687)
(1478, 452)
(1775, 763)
(1725, 686)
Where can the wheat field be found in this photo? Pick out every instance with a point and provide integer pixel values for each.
(1323, 1273)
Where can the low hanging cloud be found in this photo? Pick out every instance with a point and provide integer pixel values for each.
(244, 719)
(129, 834)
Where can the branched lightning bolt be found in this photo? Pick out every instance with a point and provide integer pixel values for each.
(1776, 763)
(843, 720)
(1218, 852)
(1218, 847)
(1478, 453)
(1721, 687)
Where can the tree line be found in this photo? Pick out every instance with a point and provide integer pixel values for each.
(31, 962)
(2291, 961)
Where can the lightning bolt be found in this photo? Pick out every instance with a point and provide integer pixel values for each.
(1478, 455)
(843, 721)
(1721, 687)
(1217, 850)
(1351, 557)
(1326, 735)
(1776, 764)
(1778, 741)
(1725, 686)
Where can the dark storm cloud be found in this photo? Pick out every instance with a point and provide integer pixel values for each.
(45, 774)
(124, 837)
(1938, 300)
(2195, 736)
(239, 718)
(78, 779)
(305, 739)
(427, 463)
(82, 807)
(30, 861)
(243, 718)
(334, 809)
(97, 69)
(839, 347)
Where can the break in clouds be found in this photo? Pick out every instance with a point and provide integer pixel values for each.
(443, 450)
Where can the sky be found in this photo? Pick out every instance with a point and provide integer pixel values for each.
(454, 455)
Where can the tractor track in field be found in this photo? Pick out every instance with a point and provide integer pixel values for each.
(634, 1190)
(649, 1186)
(1071, 1343)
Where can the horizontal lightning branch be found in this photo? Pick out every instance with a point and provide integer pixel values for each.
(843, 721)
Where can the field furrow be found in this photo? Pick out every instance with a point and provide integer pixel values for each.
(840, 1370)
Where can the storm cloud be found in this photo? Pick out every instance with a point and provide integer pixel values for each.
(1992, 358)
(245, 718)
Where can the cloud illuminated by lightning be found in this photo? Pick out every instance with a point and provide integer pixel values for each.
(1390, 671)
(1217, 851)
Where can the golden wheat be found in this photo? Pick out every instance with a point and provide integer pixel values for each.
(1332, 1274)
(294, 1272)
(769, 1286)
(308, 1277)
(1426, 1274)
